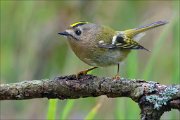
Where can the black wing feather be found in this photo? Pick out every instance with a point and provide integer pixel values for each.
(123, 43)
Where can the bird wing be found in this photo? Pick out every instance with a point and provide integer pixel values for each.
(127, 39)
(121, 41)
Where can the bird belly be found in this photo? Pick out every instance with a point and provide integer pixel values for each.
(105, 58)
(100, 57)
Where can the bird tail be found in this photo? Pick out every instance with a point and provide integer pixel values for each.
(133, 32)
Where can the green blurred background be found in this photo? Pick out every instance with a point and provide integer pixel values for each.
(32, 49)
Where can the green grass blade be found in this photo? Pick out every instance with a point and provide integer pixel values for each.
(120, 114)
(51, 114)
(156, 49)
(132, 65)
(93, 112)
(132, 71)
(68, 107)
(176, 55)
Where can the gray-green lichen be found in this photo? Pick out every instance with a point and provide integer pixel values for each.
(152, 86)
(162, 98)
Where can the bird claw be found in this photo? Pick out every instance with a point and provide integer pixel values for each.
(84, 72)
(116, 77)
(81, 73)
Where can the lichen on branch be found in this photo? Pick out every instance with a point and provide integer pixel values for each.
(153, 98)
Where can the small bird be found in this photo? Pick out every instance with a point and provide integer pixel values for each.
(101, 46)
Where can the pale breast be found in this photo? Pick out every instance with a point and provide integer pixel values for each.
(110, 57)
(104, 57)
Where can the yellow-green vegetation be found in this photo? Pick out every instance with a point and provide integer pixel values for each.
(32, 49)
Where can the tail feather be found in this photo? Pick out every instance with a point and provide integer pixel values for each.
(132, 32)
(152, 25)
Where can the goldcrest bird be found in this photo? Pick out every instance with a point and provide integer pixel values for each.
(100, 46)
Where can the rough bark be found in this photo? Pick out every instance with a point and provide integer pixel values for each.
(153, 98)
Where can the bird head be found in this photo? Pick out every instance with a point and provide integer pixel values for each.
(81, 32)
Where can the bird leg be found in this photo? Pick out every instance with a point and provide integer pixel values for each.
(117, 76)
(84, 72)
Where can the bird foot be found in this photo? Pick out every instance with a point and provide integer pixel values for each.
(84, 72)
(116, 77)
(81, 73)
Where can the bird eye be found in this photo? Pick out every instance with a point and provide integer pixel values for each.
(78, 32)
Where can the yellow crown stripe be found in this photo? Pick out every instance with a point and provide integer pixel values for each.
(77, 23)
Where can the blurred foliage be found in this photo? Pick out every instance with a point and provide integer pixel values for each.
(67, 109)
(51, 113)
(32, 49)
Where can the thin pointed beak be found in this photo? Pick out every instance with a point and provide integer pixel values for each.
(64, 33)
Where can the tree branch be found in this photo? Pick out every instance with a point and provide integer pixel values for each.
(153, 98)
